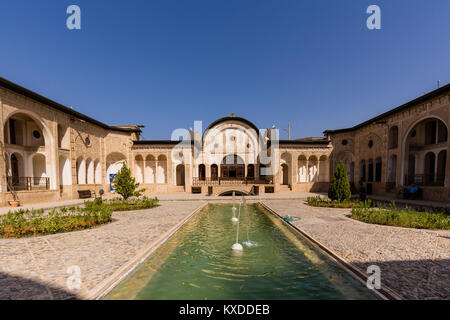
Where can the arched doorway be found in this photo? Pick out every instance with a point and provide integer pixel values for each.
(302, 171)
(150, 169)
(39, 171)
(26, 135)
(429, 169)
(16, 172)
(114, 162)
(161, 169)
(214, 172)
(39, 166)
(201, 172)
(392, 169)
(180, 175)
(81, 171)
(347, 159)
(64, 171)
(324, 172)
(232, 167)
(285, 174)
(362, 170)
(90, 171)
(14, 167)
(251, 171)
(139, 168)
(98, 172)
(423, 145)
(285, 168)
(313, 165)
(237, 193)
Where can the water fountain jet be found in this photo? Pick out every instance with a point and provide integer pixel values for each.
(237, 246)
(234, 219)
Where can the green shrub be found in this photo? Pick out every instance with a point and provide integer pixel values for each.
(320, 202)
(402, 217)
(124, 204)
(26, 223)
(340, 187)
(125, 184)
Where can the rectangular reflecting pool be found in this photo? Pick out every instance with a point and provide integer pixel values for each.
(197, 263)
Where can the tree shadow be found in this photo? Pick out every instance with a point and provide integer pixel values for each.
(13, 287)
(415, 279)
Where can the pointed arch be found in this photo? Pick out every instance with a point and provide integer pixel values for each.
(313, 165)
(161, 169)
(65, 177)
(98, 172)
(90, 171)
(81, 170)
(139, 168)
(150, 169)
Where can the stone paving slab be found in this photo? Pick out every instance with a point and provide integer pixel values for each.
(36, 268)
(415, 263)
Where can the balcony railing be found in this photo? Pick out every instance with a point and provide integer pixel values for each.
(230, 181)
(28, 183)
(205, 182)
(425, 179)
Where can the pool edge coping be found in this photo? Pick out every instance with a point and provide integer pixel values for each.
(385, 293)
(107, 285)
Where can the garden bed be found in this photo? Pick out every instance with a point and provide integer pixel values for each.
(327, 203)
(124, 205)
(28, 223)
(406, 217)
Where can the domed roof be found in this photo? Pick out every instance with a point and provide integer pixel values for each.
(232, 117)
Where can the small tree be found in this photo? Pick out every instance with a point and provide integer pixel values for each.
(340, 187)
(125, 184)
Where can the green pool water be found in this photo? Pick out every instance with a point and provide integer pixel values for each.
(198, 263)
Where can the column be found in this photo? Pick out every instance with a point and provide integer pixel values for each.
(318, 170)
(156, 171)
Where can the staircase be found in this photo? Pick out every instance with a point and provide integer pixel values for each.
(179, 189)
(284, 188)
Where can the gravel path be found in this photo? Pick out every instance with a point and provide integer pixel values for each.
(37, 268)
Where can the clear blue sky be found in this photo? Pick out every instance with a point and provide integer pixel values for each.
(167, 63)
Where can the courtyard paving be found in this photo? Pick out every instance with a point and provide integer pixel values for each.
(37, 268)
(414, 263)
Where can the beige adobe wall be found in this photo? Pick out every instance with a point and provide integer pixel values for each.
(146, 156)
(100, 143)
(357, 148)
(118, 144)
(317, 175)
(13, 103)
(155, 168)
